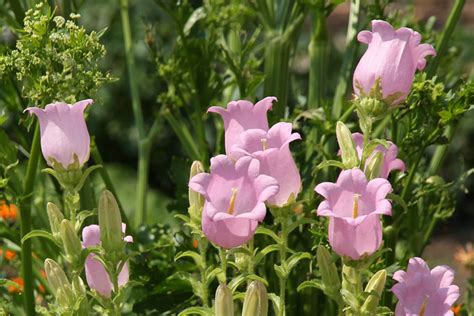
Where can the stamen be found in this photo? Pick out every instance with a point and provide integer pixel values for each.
(355, 206)
(230, 210)
(264, 143)
(423, 307)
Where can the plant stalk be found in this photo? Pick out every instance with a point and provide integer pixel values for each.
(26, 257)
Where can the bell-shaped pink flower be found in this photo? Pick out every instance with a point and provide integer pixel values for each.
(390, 161)
(422, 292)
(354, 206)
(235, 195)
(242, 115)
(63, 132)
(96, 275)
(272, 149)
(393, 56)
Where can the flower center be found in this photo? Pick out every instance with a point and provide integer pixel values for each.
(230, 209)
(355, 206)
(264, 143)
(423, 307)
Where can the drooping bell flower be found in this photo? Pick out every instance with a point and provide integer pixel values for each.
(392, 57)
(424, 292)
(64, 135)
(235, 195)
(242, 115)
(390, 161)
(96, 275)
(354, 206)
(272, 149)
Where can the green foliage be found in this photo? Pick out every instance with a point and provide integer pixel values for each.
(55, 59)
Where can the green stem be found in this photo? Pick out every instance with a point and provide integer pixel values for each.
(352, 282)
(143, 147)
(182, 131)
(95, 153)
(25, 207)
(223, 257)
(440, 152)
(349, 59)
(448, 30)
(318, 54)
(283, 250)
(203, 244)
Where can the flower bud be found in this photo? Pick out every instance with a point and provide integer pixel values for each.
(224, 303)
(256, 300)
(55, 218)
(329, 274)
(196, 200)
(348, 149)
(71, 243)
(374, 166)
(110, 222)
(374, 288)
(59, 283)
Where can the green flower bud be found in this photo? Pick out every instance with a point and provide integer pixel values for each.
(59, 282)
(71, 243)
(196, 200)
(374, 166)
(224, 303)
(110, 222)
(55, 218)
(329, 274)
(374, 288)
(349, 156)
(256, 300)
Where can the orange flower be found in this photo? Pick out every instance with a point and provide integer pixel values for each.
(195, 243)
(8, 212)
(14, 289)
(41, 288)
(10, 255)
(456, 309)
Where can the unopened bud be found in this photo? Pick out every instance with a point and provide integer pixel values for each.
(349, 156)
(224, 303)
(110, 222)
(196, 200)
(329, 274)
(374, 288)
(374, 166)
(71, 243)
(256, 300)
(55, 218)
(58, 282)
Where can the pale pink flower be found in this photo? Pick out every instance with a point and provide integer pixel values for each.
(242, 115)
(354, 206)
(422, 292)
(272, 149)
(235, 195)
(390, 161)
(63, 132)
(393, 56)
(96, 275)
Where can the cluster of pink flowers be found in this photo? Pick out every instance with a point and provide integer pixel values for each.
(258, 168)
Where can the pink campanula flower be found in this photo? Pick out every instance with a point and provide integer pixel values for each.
(272, 149)
(354, 206)
(242, 115)
(393, 56)
(96, 275)
(235, 195)
(390, 161)
(422, 292)
(63, 132)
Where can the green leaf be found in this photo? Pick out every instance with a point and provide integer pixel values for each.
(331, 163)
(234, 284)
(281, 271)
(275, 301)
(301, 221)
(8, 283)
(295, 258)
(39, 233)
(194, 255)
(197, 15)
(310, 284)
(265, 251)
(265, 231)
(85, 175)
(196, 310)
(398, 199)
